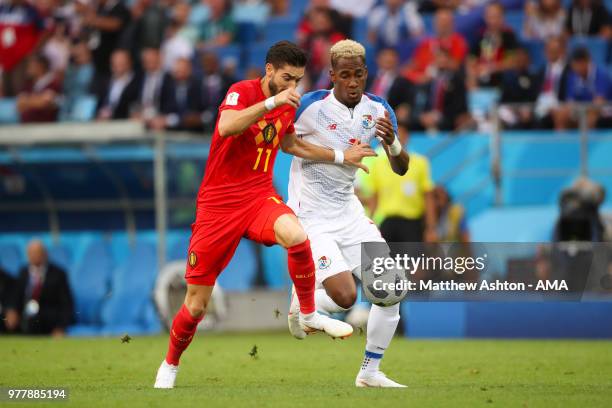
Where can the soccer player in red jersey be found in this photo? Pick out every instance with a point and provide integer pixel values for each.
(237, 198)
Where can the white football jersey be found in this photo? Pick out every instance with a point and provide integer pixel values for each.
(325, 189)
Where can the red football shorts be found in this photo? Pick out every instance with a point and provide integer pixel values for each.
(216, 235)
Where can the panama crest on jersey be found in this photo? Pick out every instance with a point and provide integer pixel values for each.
(367, 121)
(324, 262)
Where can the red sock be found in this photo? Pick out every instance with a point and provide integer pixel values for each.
(302, 271)
(183, 328)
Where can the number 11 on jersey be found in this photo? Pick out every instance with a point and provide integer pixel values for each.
(259, 153)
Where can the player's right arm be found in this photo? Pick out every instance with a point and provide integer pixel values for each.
(237, 116)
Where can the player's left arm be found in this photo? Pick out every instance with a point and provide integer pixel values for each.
(352, 156)
(386, 129)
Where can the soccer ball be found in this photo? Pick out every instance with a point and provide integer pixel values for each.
(385, 289)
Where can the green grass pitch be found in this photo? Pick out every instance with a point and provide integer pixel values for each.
(218, 371)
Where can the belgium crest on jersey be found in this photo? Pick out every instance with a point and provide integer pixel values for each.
(269, 132)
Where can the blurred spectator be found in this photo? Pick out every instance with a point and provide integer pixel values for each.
(38, 101)
(589, 18)
(354, 9)
(155, 83)
(451, 220)
(318, 42)
(6, 288)
(219, 29)
(403, 206)
(543, 19)
(461, 6)
(215, 84)
(340, 23)
(21, 29)
(443, 104)
(41, 302)
(253, 72)
(175, 46)
(552, 79)
(180, 17)
(279, 8)
(520, 85)
(394, 22)
(182, 107)
(391, 86)
(79, 76)
(419, 70)
(57, 48)
(106, 23)
(148, 25)
(117, 96)
(586, 83)
(493, 52)
(579, 217)
(250, 11)
(149, 20)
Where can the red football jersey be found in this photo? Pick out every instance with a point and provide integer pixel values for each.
(239, 168)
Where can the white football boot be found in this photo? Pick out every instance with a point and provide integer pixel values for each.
(378, 379)
(300, 326)
(293, 317)
(166, 375)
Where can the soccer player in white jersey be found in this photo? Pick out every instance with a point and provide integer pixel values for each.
(322, 196)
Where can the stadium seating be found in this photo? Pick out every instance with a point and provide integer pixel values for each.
(83, 109)
(8, 111)
(10, 258)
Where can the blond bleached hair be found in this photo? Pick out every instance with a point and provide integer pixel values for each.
(346, 49)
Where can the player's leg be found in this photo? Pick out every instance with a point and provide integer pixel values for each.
(183, 329)
(382, 321)
(338, 294)
(275, 223)
(211, 247)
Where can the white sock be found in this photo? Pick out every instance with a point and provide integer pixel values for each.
(381, 328)
(326, 304)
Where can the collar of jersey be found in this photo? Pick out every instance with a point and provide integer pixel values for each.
(332, 99)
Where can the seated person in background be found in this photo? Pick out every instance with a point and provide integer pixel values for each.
(418, 70)
(552, 79)
(519, 86)
(543, 19)
(41, 302)
(394, 22)
(38, 100)
(585, 83)
(155, 83)
(6, 288)
(588, 18)
(215, 84)
(119, 95)
(318, 42)
(220, 28)
(493, 52)
(342, 23)
(182, 105)
(79, 75)
(442, 103)
(451, 221)
(391, 86)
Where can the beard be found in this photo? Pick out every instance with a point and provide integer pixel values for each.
(273, 86)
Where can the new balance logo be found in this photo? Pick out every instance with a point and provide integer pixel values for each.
(333, 126)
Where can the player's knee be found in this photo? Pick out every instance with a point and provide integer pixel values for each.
(295, 236)
(195, 303)
(345, 299)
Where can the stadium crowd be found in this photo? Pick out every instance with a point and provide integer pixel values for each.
(165, 62)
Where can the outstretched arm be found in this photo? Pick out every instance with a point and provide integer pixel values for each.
(352, 156)
(234, 122)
